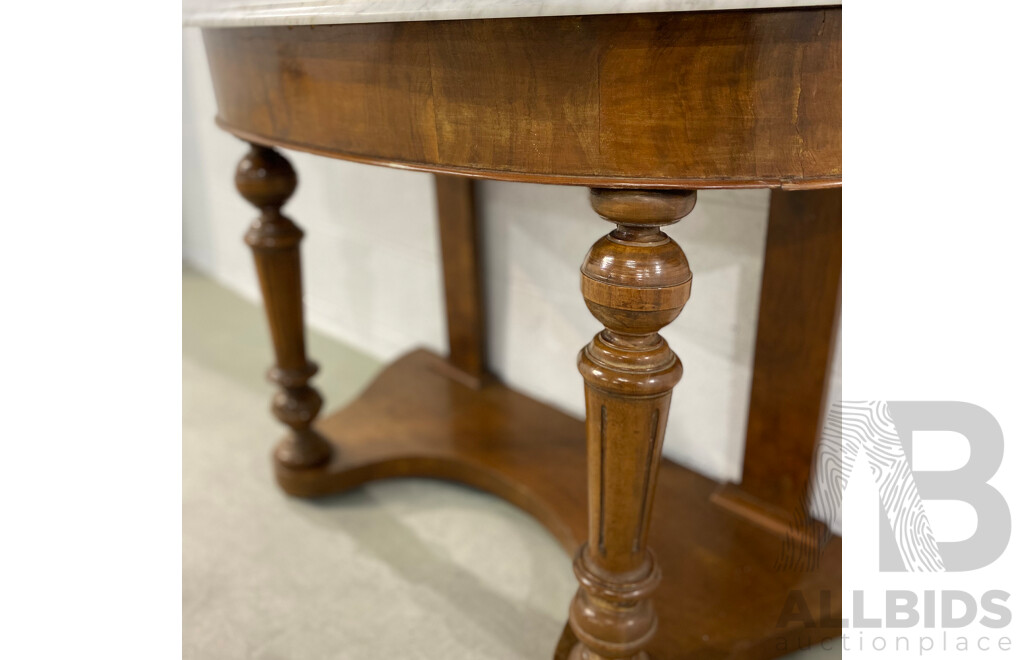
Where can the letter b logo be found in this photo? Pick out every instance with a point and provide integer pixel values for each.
(909, 526)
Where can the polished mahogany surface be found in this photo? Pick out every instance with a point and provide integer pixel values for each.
(694, 100)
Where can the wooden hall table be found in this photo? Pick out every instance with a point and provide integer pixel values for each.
(645, 109)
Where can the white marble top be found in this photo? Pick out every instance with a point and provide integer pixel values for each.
(238, 13)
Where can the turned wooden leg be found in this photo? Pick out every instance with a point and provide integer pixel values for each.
(266, 179)
(635, 281)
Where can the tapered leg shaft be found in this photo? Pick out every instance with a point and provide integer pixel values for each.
(635, 281)
(267, 180)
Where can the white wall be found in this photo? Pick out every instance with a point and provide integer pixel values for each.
(373, 277)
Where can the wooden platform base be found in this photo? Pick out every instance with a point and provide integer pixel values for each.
(721, 596)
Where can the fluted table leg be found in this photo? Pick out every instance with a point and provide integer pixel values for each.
(635, 281)
(266, 179)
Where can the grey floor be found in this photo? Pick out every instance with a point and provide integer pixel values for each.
(399, 569)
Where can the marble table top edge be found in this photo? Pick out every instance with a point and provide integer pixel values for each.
(251, 13)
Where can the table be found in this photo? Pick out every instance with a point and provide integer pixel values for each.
(645, 103)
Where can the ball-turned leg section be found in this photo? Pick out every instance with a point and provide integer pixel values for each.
(266, 179)
(635, 281)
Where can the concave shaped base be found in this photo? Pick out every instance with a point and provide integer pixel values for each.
(721, 595)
